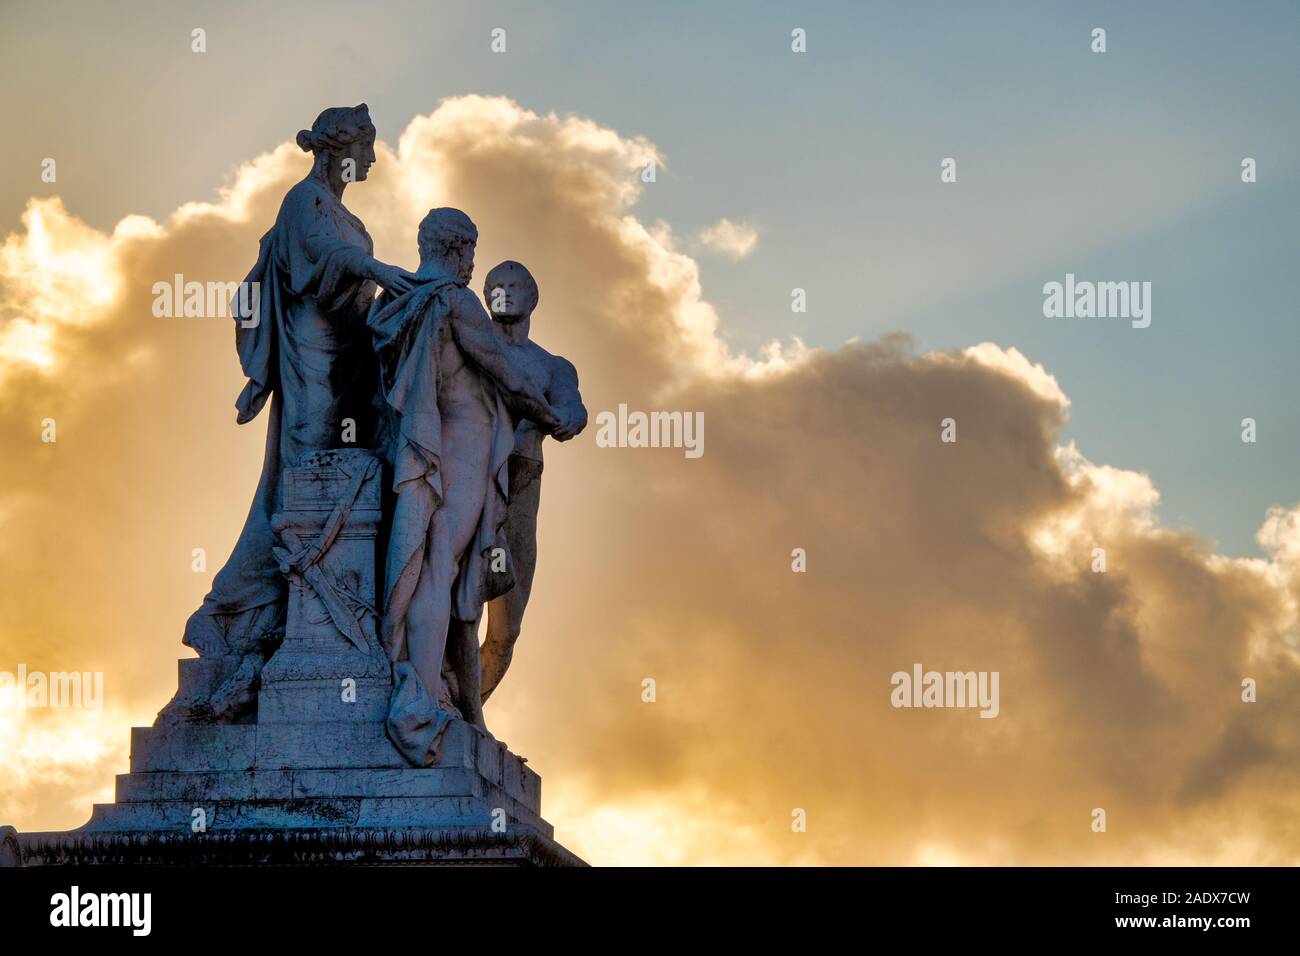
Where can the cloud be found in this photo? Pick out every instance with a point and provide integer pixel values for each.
(1119, 689)
(734, 239)
(53, 763)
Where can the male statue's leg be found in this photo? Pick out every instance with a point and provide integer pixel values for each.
(466, 452)
(463, 661)
(506, 613)
(504, 616)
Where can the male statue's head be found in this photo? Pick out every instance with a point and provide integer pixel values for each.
(447, 238)
(510, 292)
(340, 134)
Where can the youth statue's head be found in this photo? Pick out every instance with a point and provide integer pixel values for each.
(340, 134)
(510, 292)
(447, 238)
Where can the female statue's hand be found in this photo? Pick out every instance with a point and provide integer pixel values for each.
(393, 279)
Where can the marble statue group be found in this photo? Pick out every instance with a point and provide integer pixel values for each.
(451, 398)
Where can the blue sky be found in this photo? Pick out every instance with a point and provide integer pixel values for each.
(1120, 166)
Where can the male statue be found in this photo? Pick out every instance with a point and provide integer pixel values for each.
(452, 389)
(512, 296)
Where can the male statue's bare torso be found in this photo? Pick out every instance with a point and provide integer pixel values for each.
(559, 381)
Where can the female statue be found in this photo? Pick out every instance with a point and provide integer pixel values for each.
(305, 347)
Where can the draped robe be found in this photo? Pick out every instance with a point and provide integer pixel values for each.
(309, 353)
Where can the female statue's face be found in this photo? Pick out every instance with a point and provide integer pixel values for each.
(362, 154)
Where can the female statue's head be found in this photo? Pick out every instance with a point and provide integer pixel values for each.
(339, 134)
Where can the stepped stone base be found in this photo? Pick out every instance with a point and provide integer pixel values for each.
(307, 792)
(253, 794)
(311, 776)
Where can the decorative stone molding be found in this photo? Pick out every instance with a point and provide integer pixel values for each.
(427, 846)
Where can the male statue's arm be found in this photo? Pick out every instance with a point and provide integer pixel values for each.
(474, 334)
(566, 399)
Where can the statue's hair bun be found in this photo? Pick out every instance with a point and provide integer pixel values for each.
(335, 128)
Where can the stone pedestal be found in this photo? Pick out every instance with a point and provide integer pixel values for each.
(330, 666)
(315, 779)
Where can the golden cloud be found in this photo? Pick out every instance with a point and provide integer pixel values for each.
(1120, 689)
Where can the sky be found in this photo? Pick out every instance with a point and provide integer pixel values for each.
(777, 170)
(1067, 161)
